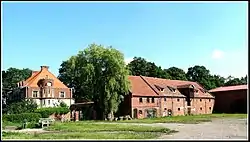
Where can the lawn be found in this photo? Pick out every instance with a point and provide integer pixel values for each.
(192, 119)
(111, 130)
(93, 130)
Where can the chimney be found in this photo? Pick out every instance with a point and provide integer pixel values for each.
(44, 67)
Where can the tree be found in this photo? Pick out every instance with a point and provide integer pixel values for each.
(201, 75)
(139, 66)
(216, 81)
(13, 75)
(24, 106)
(231, 81)
(98, 74)
(176, 73)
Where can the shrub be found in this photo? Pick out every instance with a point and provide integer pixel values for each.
(33, 125)
(62, 104)
(24, 106)
(19, 118)
(46, 112)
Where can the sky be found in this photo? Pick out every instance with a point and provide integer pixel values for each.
(170, 34)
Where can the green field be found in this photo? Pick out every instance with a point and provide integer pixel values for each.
(87, 130)
(111, 130)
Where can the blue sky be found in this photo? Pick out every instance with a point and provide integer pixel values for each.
(169, 34)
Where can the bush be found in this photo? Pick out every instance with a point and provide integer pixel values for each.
(33, 125)
(46, 112)
(24, 106)
(19, 118)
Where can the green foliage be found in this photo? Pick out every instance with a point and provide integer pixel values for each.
(62, 104)
(139, 66)
(46, 112)
(24, 106)
(19, 118)
(33, 124)
(99, 74)
(176, 73)
(13, 75)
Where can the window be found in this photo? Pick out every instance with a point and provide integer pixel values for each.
(48, 102)
(49, 84)
(178, 100)
(165, 108)
(200, 100)
(162, 90)
(62, 94)
(201, 108)
(43, 102)
(165, 99)
(179, 109)
(174, 90)
(209, 100)
(35, 94)
(140, 111)
(210, 108)
(148, 100)
(153, 100)
(140, 100)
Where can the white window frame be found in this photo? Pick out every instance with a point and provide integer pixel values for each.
(63, 93)
(48, 102)
(37, 94)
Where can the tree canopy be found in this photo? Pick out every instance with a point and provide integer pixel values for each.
(99, 74)
(197, 73)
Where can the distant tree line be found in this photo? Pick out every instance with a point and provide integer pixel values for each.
(197, 73)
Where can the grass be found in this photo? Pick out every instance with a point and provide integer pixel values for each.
(192, 119)
(80, 135)
(87, 130)
(7, 123)
(94, 127)
(109, 130)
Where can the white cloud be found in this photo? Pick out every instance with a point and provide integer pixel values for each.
(128, 60)
(217, 54)
(232, 62)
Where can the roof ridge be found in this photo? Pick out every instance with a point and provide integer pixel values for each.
(149, 85)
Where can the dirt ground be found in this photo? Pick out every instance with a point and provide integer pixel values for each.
(230, 128)
(217, 129)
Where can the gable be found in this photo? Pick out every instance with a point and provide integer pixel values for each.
(44, 73)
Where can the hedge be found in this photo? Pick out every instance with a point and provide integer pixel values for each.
(46, 112)
(19, 118)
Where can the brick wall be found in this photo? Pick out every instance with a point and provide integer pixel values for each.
(56, 92)
(225, 100)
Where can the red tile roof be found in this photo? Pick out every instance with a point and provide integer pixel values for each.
(37, 75)
(140, 87)
(145, 86)
(229, 88)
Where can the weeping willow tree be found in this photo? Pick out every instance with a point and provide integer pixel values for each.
(98, 74)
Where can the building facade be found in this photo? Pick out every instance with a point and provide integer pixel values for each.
(45, 89)
(155, 97)
(230, 99)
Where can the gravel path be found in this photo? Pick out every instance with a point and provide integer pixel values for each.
(217, 129)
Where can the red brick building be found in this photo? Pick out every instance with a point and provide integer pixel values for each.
(230, 99)
(157, 97)
(45, 89)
